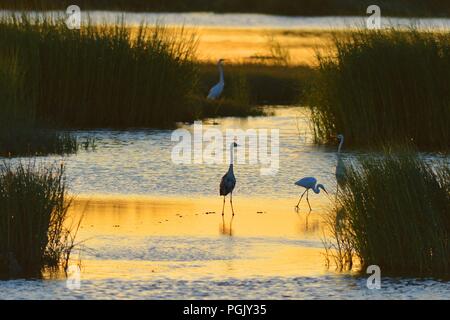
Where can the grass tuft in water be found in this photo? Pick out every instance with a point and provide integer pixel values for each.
(394, 212)
(386, 86)
(33, 214)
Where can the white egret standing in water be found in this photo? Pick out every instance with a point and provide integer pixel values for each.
(228, 181)
(216, 91)
(309, 183)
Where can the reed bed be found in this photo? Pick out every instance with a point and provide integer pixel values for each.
(102, 76)
(20, 134)
(33, 212)
(386, 86)
(394, 212)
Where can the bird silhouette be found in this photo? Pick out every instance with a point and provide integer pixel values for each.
(309, 183)
(228, 181)
(216, 91)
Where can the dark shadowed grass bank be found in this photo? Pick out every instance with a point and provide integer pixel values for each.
(385, 86)
(102, 76)
(33, 213)
(281, 7)
(394, 212)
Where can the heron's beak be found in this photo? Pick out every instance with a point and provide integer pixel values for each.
(325, 191)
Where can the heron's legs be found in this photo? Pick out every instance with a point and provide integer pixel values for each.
(231, 225)
(223, 225)
(307, 199)
(231, 202)
(301, 198)
(223, 207)
(307, 221)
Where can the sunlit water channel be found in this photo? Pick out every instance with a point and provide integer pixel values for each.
(153, 229)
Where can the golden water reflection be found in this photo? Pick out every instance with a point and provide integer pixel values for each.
(264, 238)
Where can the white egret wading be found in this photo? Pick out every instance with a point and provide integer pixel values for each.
(228, 181)
(216, 91)
(309, 183)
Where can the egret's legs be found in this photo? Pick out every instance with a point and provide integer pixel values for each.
(223, 207)
(307, 199)
(300, 199)
(307, 221)
(231, 225)
(231, 202)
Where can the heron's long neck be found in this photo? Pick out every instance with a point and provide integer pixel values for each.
(340, 145)
(231, 156)
(231, 159)
(221, 73)
(316, 189)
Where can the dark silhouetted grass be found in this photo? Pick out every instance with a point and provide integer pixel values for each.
(385, 86)
(20, 134)
(33, 212)
(102, 76)
(284, 7)
(395, 212)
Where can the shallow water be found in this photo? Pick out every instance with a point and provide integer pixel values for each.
(159, 248)
(153, 229)
(139, 162)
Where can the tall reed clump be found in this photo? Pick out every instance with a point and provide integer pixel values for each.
(385, 86)
(33, 214)
(20, 133)
(102, 76)
(394, 212)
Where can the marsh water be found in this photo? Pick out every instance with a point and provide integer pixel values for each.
(153, 229)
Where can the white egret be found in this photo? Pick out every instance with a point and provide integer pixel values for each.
(216, 91)
(340, 167)
(228, 181)
(309, 183)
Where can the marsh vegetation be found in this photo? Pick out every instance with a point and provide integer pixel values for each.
(393, 212)
(386, 86)
(101, 76)
(34, 229)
